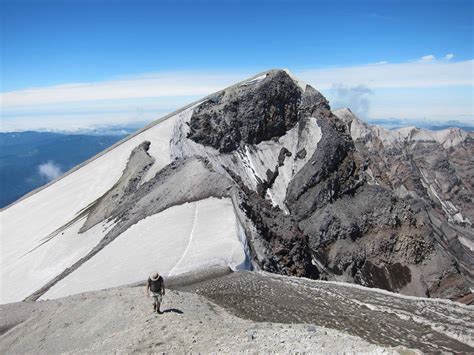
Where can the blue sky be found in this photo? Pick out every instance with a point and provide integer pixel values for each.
(104, 62)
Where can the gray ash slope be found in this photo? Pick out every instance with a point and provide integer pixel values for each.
(238, 312)
(383, 209)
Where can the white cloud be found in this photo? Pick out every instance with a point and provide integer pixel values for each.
(49, 170)
(146, 97)
(449, 56)
(382, 62)
(427, 58)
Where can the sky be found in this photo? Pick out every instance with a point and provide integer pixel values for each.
(72, 64)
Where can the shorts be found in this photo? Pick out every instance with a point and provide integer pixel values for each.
(158, 297)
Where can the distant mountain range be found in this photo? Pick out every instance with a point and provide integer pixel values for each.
(395, 123)
(30, 159)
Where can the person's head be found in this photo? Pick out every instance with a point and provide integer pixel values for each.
(154, 276)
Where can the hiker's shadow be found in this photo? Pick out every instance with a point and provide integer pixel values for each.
(172, 310)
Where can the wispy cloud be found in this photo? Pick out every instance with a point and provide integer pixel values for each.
(357, 98)
(449, 56)
(49, 170)
(140, 86)
(427, 58)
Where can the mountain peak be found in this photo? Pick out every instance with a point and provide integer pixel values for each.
(262, 108)
(260, 175)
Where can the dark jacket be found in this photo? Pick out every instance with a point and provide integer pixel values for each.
(157, 286)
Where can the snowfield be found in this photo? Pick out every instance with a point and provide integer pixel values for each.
(177, 240)
(27, 271)
(26, 225)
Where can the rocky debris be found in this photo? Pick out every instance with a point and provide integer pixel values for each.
(238, 312)
(137, 166)
(432, 180)
(378, 317)
(284, 153)
(301, 154)
(332, 165)
(287, 250)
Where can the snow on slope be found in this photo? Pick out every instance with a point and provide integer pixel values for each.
(23, 274)
(24, 225)
(177, 240)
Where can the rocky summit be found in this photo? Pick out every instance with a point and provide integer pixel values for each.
(263, 176)
(385, 209)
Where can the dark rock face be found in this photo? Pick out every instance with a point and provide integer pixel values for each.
(252, 113)
(416, 226)
(332, 171)
(341, 225)
(288, 250)
(392, 277)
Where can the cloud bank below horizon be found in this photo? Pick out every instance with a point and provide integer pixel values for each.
(427, 88)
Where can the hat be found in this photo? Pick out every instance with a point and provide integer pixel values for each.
(154, 276)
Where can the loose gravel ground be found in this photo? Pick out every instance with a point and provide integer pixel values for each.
(238, 312)
(381, 318)
(121, 320)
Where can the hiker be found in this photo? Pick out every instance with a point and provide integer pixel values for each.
(157, 286)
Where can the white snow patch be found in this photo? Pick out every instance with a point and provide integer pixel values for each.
(177, 240)
(466, 242)
(307, 139)
(449, 209)
(255, 80)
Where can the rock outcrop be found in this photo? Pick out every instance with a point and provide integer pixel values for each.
(383, 209)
